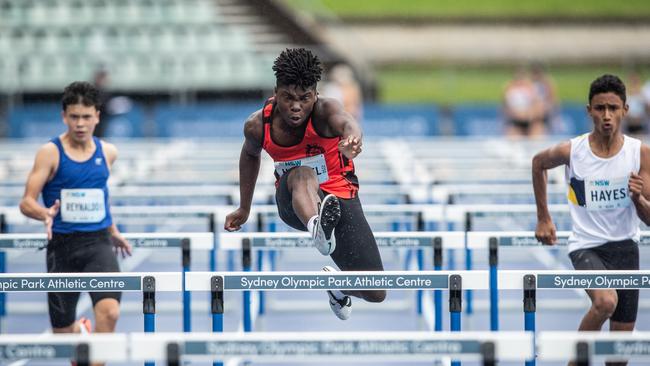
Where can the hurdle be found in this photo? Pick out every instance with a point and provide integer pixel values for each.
(362, 347)
(82, 349)
(492, 240)
(584, 347)
(438, 241)
(186, 242)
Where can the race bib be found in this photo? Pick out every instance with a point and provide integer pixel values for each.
(607, 194)
(82, 205)
(317, 163)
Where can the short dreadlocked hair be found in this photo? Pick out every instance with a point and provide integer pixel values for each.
(297, 66)
(607, 84)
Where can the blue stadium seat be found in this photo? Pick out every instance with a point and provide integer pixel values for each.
(401, 120)
(41, 120)
(203, 120)
(477, 120)
(44, 121)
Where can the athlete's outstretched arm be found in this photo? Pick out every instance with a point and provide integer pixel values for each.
(543, 161)
(346, 126)
(120, 244)
(249, 168)
(45, 164)
(640, 187)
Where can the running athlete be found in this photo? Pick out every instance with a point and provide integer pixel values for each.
(606, 173)
(71, 172)
(312, 141)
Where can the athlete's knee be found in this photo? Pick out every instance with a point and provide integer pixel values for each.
(605, 305)
(107, 311)
(374, 296)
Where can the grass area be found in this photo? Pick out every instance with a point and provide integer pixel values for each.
(446, 85)
(475, 8)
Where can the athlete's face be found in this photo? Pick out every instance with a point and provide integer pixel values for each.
(295, 103)
(81, 121)
(607, 111)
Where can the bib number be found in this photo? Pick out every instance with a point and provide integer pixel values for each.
(317, 163)
(82, 205)
(607, 194)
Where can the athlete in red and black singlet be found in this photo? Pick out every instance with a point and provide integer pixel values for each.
(342, 181)
(312, 142)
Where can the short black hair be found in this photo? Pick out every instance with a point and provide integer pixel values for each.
(80, 92)
(297, 66)
(607, 84)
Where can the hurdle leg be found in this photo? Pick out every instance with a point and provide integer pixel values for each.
(3, 296)
(530, 306)
(455, 305)
(437, 294)
(149, 307)
(494, 285)
(420, 293)
(187, 295)
(246, 266)
(217, 307)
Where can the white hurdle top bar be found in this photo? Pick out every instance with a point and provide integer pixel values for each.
(274, 346)
(198, 241)
(481, 239)
(420, 280)
(278, 240)
(561, 346)
(88, 282)
(102, 347)
(360, 346)
(319, 280)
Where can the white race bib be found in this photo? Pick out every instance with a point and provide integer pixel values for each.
(82, 205)
(317, 163)
(607, 194)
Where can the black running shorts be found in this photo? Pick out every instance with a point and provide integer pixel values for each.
(619, 255)
(356, 248)
(78, 252)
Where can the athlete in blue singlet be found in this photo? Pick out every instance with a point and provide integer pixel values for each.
(71, 172)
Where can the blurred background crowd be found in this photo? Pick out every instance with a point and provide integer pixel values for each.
(197, 68)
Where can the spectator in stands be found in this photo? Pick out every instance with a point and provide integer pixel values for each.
(636, 121)
(342, 85)
(312, 142)
(546, 93)
(71, 172)
(101, 81)
(522, 107)
(608, 177)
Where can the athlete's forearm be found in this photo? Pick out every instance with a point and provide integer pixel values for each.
(540, 179)
(249, 168)
(32, 209)
(642, 206)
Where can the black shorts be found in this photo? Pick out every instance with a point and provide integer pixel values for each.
(78, 252)
(356, 248)
(619, 255)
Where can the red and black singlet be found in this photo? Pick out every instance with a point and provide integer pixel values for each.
(334, 171)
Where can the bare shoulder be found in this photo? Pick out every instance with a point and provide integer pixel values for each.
(110, 151)
(556, 155)
(254, 127)
(326, 107)
(47, 153)
(330, 118)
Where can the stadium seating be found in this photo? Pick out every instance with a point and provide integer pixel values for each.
(144, 45)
